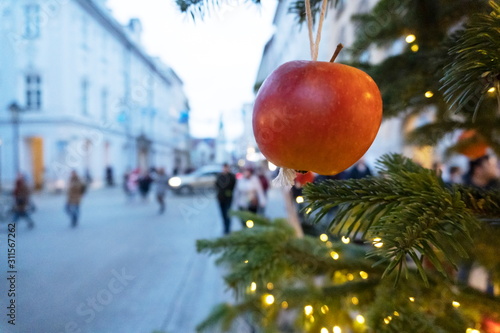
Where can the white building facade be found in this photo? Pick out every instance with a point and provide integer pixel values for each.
(89, 97)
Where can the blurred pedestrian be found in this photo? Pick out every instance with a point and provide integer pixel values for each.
(161, 183)
(88, 177)
(144, 184)
(455, 175)
(76, 189)
(249, 195)
(22, 202)
(360, 170)
(133, 183)
(264, 182)
(125, 182)
(225, 184)
(110, 181)
(301, 179)
(484, 173)
(438, 168)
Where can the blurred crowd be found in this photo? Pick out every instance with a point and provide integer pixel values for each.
(244, 189)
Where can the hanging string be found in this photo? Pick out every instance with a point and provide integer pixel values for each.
(309, 19)
(320, 27)
(286, 177)
(314, 42)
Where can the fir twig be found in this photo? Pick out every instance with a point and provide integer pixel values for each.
(475, 64)
(409, 208)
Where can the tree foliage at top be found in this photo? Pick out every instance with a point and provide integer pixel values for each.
(459, 87)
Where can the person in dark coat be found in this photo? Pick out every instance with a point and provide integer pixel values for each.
(76, 189)
(360, 170)
(22, 202)
(483, 174)
(145, 184)
(224, 184)
(161, 181)
(110, 181)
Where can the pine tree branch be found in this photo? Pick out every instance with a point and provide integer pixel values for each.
(409, 208)
(475, 64)
(298, 9)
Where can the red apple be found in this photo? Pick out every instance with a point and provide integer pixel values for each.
(477, 147)
(316, 116)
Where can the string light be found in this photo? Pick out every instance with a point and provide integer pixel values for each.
(334, 255)
(377, 242)
(492, 90)
(308, 210)
(412, 299)
(350, 277)
(346, 240)
(410, 38)
(246, 261)
(324, 309)
(396, 313)
(324, 330)
(414, 47)
(472, 330)
(387, 320)
(323, 237)
(284, 305)
(270, 286)
(250, 224)
(269, 299)
(329, 244)
(429, 94)
(360, 319)
(364, 275)
(337, 329)
(299, 199)
(355, 300)
(253, 286)
(308, 310)
(455, 304)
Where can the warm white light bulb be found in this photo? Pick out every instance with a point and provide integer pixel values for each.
(410, 38)
(269, 299)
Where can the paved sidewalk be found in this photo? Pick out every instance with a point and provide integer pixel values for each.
(123, 269)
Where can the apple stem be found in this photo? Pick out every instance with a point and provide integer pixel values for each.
(337, 51)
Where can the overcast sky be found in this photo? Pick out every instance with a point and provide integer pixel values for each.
(217, 58)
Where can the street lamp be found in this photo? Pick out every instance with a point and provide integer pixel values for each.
(15, 110)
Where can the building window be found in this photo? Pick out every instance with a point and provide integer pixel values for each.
(85, 33)
(33, 91)
(85, 97)
(104, 104)
(31, 21)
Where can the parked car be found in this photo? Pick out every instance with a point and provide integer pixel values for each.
(200, 179)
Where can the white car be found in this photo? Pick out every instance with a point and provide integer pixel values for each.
(200, 179)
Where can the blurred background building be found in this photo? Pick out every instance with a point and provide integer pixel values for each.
(77, 91)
